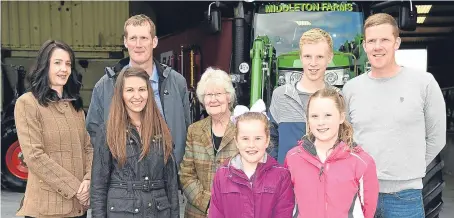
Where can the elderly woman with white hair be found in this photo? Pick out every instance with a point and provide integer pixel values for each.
(209, 141)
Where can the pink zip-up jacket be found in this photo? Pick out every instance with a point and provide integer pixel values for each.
(345, 185)
(267, 194)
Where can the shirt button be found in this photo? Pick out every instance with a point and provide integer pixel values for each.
(149, 204)
(80, 211)
(136, 210)
(146, 177)
(59, 190)
(66, 195)
(112, 208)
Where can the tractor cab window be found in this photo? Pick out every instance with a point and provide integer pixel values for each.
(285, 29)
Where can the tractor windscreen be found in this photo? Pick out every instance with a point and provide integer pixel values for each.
(284, 24)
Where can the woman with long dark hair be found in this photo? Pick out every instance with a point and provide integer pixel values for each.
(134, 172)
(50, 126)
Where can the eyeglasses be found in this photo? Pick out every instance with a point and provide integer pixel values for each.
(215, 95)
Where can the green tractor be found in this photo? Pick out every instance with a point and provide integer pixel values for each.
(277, 28)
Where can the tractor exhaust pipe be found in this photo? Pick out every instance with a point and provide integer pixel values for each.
(239, 26)
(238, 36)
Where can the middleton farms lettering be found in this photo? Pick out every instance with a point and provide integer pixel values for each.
(295, 7)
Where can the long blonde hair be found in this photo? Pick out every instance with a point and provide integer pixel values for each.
(153, 124)
(345, 129)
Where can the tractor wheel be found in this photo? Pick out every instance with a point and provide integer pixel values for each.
(433, 186)
(14, 171)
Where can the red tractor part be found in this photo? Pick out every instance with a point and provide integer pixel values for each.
(14, 161)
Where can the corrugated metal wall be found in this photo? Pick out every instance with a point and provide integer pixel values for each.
(85, 26)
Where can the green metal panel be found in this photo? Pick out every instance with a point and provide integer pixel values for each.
(5, 25)
(87, 26)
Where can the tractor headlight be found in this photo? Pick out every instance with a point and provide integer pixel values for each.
(281, 80)
(333, 77)
(288, 76)
(346, 78)
(337, 76)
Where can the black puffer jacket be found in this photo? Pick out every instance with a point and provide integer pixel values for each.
(146, 188)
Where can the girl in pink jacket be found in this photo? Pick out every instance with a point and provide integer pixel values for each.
(251, 184)
(332, 176)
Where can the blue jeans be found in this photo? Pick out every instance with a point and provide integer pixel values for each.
(404, 204)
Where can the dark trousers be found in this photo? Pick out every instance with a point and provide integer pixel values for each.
(83, 216)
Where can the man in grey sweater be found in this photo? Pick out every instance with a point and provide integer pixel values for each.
(399, 117)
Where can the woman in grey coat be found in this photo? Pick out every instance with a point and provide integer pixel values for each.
(134, 173)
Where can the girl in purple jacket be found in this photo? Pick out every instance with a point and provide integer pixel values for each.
(251, 184)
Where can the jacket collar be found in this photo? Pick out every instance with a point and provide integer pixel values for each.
(238, 164)
(59, 103)
(235, 167)
(229, 135)
(340, 149)
(113, 71)
(290, 91)
(132, 132)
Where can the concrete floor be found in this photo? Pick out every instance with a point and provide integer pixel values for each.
(10, 201)
(10, 204)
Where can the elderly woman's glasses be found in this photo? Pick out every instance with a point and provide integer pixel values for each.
(215, 95)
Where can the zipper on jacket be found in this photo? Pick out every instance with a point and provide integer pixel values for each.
(248, 181)
(252, 180)
(326, 208)
(320, 174)
(322, 168)
(133, 136)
